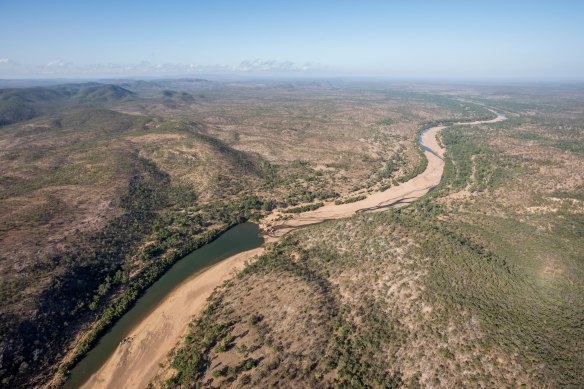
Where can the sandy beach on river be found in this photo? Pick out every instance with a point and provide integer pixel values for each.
(134, 363)
(397, 196)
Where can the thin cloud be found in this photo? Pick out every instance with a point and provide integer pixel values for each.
(58, 63)
(59, 67)
(259, 65)
(10, 68)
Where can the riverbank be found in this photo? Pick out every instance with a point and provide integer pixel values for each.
(135, 362)
(238, 239)
(397, 196)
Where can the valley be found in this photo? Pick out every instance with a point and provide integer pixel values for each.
(120, 182)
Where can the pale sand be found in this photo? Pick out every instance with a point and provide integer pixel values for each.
(396, 196)
(134, 364)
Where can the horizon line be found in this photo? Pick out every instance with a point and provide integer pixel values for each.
(259, 76)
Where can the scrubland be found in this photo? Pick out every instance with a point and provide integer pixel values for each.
(479, 284)
(103, 187)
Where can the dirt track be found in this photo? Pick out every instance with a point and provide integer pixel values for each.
(134, 364)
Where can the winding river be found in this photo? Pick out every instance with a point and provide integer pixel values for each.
(129, 354)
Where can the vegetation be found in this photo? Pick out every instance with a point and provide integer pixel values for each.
(303, 208)
(353, 199)
(478, 284)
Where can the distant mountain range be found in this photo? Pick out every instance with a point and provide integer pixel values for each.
(18, 104)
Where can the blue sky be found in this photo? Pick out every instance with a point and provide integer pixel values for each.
(397, 39)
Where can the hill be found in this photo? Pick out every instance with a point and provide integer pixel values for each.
(21, 104)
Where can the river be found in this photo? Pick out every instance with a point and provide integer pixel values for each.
(238, 239)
